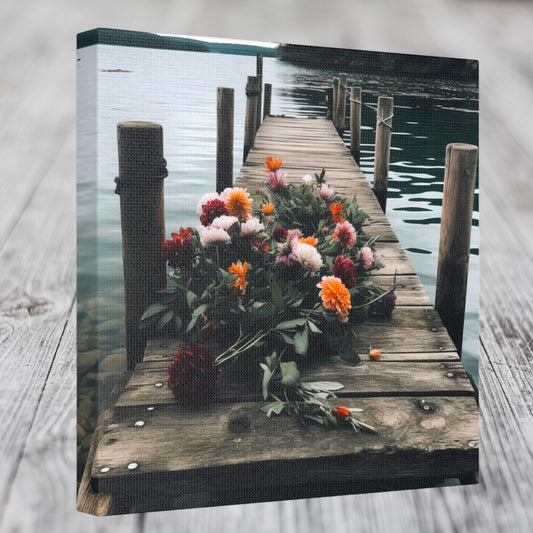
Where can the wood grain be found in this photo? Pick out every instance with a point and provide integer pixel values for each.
(37, 88)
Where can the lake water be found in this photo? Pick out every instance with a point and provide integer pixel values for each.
(178, 90)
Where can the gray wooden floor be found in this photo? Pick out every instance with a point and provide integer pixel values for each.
(37, 255)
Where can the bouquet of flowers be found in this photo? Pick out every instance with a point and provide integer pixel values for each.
(278, 277)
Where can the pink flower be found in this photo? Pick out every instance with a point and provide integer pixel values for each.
(287, 253)
(345, 234)
(293, 234)
(366, 256)
(277, 179)
(326, 192)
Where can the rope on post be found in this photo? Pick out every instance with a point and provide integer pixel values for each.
(382, 149)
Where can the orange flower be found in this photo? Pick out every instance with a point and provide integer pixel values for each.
(239, 269)
(266, 247)
(336, 212)
(272, 164)
(374, 354)
(308, 240)
(340, 412)
(335, 295)
(268, 208)
(238, 202)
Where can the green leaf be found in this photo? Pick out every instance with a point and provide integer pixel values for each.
(267, 376)
(191, 297)
(301, 341)
(154, 309)
(291, 324)
(165, 319)
(277, 295)
(264, 310)
(290, 376)
(313, 327)
(273, 407)
(199, 310)
(323, 385)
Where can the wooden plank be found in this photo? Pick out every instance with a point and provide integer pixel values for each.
(389, 377)
(224, 449)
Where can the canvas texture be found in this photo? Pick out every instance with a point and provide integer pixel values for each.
(277, 271)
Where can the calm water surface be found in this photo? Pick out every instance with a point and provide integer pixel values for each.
(178, 91)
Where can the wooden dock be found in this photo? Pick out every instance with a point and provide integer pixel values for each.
(153, 455)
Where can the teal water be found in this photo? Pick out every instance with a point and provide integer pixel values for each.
(178, 90)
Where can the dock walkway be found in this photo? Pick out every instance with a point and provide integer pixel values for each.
(417, 395)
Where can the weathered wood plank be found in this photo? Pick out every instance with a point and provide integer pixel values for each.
(147, 385)
(214, 455)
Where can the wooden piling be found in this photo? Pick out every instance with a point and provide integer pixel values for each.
(250, 121)
(329, 103)
(341, 104)
(355, 123)
(225, 113)
(267, 100)
(140, 186)
(334, 101)
(455, 229)
(259, 74)
(382, 149)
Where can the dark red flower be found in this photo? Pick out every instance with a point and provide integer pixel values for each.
(280, 234)
(344, 268)
(389, 303)
(192, 376)
(211, 210)
(178, 251)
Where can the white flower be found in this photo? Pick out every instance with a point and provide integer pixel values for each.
(210, 235)
(308, 179)
(308, 256)
(251, 227)
(224, 222)
(326, 192)
(208, 196)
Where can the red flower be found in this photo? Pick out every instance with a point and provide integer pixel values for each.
(178, 251)
(389, 303)
(211, 210)
(340, 412)
(192, 376)
(344, 268)
(280, 234)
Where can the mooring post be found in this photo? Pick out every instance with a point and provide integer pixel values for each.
(142, 169)
(334, 102)
(267, 100)
(382, 150)
(225, 112)
(341, 104)
(250, 121)
(329, 102)
(454, 244)
(355, 123)
(259, 74)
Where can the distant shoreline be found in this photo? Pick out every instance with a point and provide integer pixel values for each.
(139, 39)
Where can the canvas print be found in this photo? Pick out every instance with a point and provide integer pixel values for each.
(277, 271)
